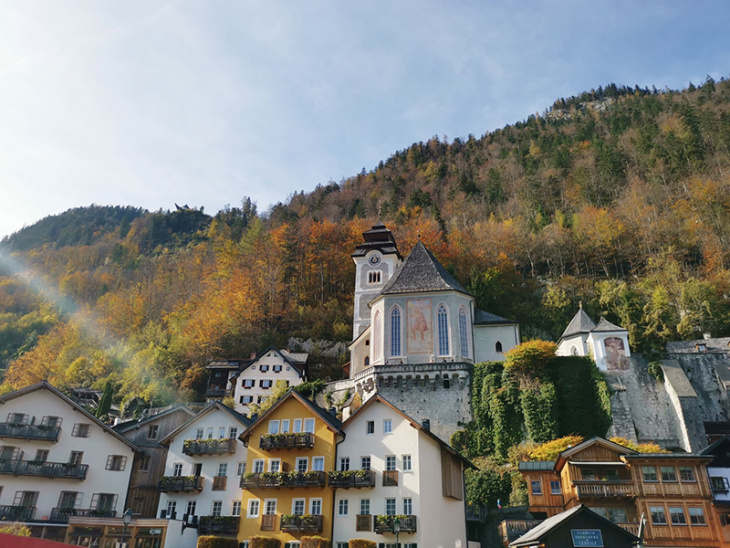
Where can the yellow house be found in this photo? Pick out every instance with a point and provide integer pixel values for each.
(291, 448)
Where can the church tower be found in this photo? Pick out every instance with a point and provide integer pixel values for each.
(376, 259)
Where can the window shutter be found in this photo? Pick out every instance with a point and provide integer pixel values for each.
(123, 464)
(94, 501)
(109, 461)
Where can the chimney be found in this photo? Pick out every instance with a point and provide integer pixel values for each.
(333, 411)
(426, 425)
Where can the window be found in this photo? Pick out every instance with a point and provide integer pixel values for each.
(41, 455)
(696, 516)
(245, 399)
(370, 427)
(297, 507)
(669, 474)
(719, 484)
(364, 463)
(241, 468)
(686, 474)
(210, 433)
(248, 383)
(152, 431)
(116, 462)
(253, 508)
(52, 422)
(407, 463)
(81, 430)
(309, 425)
(676, 514)
(555, 488)
(588, 474)
(221, 432)
(302, 464)
(344, 464)
(8, 452)
(76, 457)
(442, 317)
(264, 368)
(233, 432)
(657, 515)
(274, 465)
(171, 508)
(259, 399)
(536, 487)
(236, 508)
(285, 424)
(611, 474)
(408, 506)
(343, 544)
(463, 338)
(498, 348)
(395, 332)
(144, 463)
(342, 507)
(315, 507)
(277, 369)
(377, 336)
(273, 427)
(390, 463)
(297, 426)
(69, 499)
(318, 464)
(198, 433)
(270, 507)
(258, 466)
(374, 277)
(177, 469)
(217, 508)
(190, 508)
(17, 418)
(265, 384)
(222, 469)
(387, 426)
(389, 507)
(649, 473)
(365, 507)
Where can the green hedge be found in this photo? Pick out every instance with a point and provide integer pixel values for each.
(315, 542)
(361, 543)
(217, 542)
(263, 542)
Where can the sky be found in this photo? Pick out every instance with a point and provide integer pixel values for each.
(150, 103)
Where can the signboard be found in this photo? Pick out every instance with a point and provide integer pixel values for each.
(587, 538)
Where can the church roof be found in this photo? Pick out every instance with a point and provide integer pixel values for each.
(482, 317)
(378, 237)
(605, 325)
(421, 272)
(581, 323)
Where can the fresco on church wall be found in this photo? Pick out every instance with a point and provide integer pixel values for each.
(615, 354)
(420, 339)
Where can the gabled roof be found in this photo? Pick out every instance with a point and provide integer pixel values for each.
(216, 405)
(605, 326)
(581, 323)
(421, 272)
(482, 317)
(45, 385)
(332, 422)
(377, 398)
(564, 456)
(297, 360)
(534, 536)
(713, 447)
(136, 423)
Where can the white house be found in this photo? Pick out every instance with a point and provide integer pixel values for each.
(204, 464)
(391, 467)
(606, 343)
(57, 460)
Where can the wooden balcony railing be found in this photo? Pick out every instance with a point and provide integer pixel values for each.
(219, 483)
(180, 484)
(276, 480)
(302, 524)
(632, 528)
(303, 440)
(268, 522)
(512, 529)
(209, 446)
(17, 513)
(44, 469)
(476, 512)
(352, 478)
(218, 392)
(363, 522)
(616, 488)
(218, 525)
(29, 431)
(390, 478)
(61, 515)
(384, 524)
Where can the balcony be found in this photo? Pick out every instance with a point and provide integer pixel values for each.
(632, 528)
(352, 478)
(44, 469)
(512, 529)
(61, 515)
(180, 484)
(17, 513)
(276, 480)
(390, 478)
(476, 513)
(218, 392)
(363, 522)
(218, 525)
(29, 431)
(219, 483)
(270, 442)
(209, 446)
(604, 489)
(384, 524)
(268, 522)
(301, 524)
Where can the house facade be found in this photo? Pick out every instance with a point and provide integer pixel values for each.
(606, 343)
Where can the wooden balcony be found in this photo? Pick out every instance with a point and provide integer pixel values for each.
(17, 513)
(61, 515)
(390, 478)
(180, 484)
(512, 529)
(476, 513)
(218, 525)
(268, 522)
(218, 392)
(29, 431)
(302, 524)
(363, 522)
(632, 528)
(44, 469)
(604, 489)
(209, 446)
(271, 442)
(384, 524)
(352, 479)
(219, 483)
(276, 480)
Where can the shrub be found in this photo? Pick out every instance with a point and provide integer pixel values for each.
(551, 449)
(263, 542)
(217, 542)
(315, 542)
(361, 543)
(528, 360)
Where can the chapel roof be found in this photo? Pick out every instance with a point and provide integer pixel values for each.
(604, 325)
(581, 323)
(482, 317)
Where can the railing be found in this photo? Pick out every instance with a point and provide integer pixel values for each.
(29, 431)
(275, 480)
(222, 525)
(512, 529)
(61, 515)
(632, 528)
(385, 523)
(218, 393)
(363, 522)
(303, 440)
(390, 478)
(352, 478)
(268, 522)
(17, 513)
(179, 484)
(617, 488)
(476, 512)
(219, 483)
(303, 524)
(209, 446)
(44, 469)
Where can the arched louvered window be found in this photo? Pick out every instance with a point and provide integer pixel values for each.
(377, 336)
(395, 332)
(442, 317)
(463, 337)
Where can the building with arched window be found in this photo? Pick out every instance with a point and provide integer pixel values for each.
(606, 343)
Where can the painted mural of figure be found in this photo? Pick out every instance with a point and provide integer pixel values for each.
(419, 326)
(615, 354)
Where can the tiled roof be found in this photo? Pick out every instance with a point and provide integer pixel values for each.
(536, 465)
(717, 345)
(581, 323)
(605, 325)
(482, 317)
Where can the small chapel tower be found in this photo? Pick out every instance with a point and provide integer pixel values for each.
(376, 259)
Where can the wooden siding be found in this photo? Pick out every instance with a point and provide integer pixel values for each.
(451, 476)
(547, 501)
(596, 453)
(681, 535)
(699, 488)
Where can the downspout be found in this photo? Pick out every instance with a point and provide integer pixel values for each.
(334, 491)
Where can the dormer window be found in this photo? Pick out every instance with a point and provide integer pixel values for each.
(702, 347)
(374, 277)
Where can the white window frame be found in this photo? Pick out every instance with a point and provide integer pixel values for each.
(344, 464)
(314, 501)
(241, 468)
(259, 465)
(318, 461)
(297, 426)
(216, 508)
(343, 504)
(407, 463)
(309, 422)
(285, 426)
(294, 505)
(387, 426)
(236, 508)
(363, 502)
(271, 465)
(267, 511)
(305, 460)
(274, 427)
(253, 508)
(447, 333)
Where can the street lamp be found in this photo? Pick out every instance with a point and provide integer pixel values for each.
(126, 520)
(396, 530)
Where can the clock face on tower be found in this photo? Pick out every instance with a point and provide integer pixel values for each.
(374, 260)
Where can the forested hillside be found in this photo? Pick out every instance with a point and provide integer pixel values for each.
(619, 198)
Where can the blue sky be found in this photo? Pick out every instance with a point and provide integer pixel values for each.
(148, 103)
